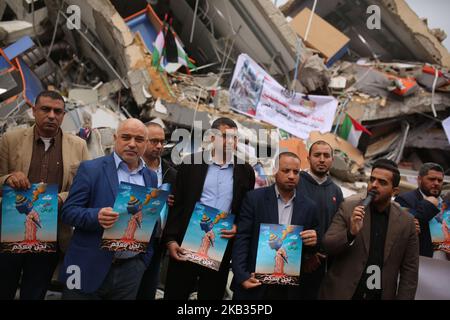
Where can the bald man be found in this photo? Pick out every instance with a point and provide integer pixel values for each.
(90, 273)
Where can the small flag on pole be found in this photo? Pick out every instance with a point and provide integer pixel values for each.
(355, 133)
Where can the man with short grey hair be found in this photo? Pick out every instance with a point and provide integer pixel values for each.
(103, 274)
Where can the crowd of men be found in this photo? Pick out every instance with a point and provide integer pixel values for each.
(344, 240)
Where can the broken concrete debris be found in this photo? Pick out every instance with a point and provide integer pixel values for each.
(395, 84)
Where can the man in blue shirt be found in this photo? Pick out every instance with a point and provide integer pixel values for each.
(215, 178)
(88, 271)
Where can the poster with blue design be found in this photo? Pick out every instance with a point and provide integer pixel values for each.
(440, 229)
(29, 221)
(139, 210)
(279, 254)
(202, 242)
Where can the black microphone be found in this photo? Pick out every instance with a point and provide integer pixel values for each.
(372, 194)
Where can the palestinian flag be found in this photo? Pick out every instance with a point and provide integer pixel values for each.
(183, 58)
(355, 133)
(158, 49)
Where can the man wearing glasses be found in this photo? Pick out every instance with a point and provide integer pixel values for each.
(103, 274)
(42, 153)
(166, 174)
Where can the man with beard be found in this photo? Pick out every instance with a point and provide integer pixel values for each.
(374, 244)
(317, 185)
(282, 203)
(425, 202)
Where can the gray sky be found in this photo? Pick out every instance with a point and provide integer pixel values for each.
(437, 12)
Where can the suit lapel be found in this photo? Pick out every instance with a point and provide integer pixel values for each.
(109, 168)
(296, 210)
(26, 151)
(66, 157)
(147, 178)
(271, 206)
(392, 231)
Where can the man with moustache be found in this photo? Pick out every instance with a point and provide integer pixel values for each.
(281, 203)
(317, 185)
(375, 249)
(216, 178)
(104, 274)
(166, 174)
(425, 202)
(42, 153)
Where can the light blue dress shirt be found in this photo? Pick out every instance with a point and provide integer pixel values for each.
(284, 208)
(125, 175)
(218, 187)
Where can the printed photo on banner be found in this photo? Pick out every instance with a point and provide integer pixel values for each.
(29, 219)
(279, 254)
(203, 243)
(139, 210)
(247, 85)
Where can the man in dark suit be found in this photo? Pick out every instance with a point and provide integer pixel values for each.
(425, 202)
(166, 174)
(375, 250)
(88, 271)
(215, 178)
(280, 203)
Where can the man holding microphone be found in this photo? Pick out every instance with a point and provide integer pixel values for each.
(373, 242)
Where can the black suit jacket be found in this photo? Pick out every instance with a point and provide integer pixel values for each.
(261, 206)
(169, 173)
(188, 190)
(423, 211)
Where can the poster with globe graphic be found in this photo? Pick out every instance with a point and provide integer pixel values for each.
(202, 242)
(29, 219)
(279, 254)
(139, 210)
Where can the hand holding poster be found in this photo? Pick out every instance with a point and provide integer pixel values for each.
(139, 210)
(202, 242)
(279, 254)
(440, 229)
(29, 219)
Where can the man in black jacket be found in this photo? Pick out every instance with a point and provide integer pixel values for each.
(215, 178)
(425, 202)
(166, 174)
(317, 185)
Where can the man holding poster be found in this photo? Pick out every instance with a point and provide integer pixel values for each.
(280, 204)
(426, 203)
(42, 153)
(104, 274)
(215, 178)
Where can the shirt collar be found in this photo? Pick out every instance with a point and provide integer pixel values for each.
(120, 163)
(424, 196)
(37, 137)
(210, 160)
(277, 192)
(316, 178)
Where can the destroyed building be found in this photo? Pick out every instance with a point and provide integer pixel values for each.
(395, 81)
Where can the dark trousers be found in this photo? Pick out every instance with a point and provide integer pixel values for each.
(150, 279)
(184, 277)
(33, 271)
(310, 283)
(121, 283)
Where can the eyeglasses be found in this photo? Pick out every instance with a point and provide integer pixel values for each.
(155, 142)
(127, 137)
